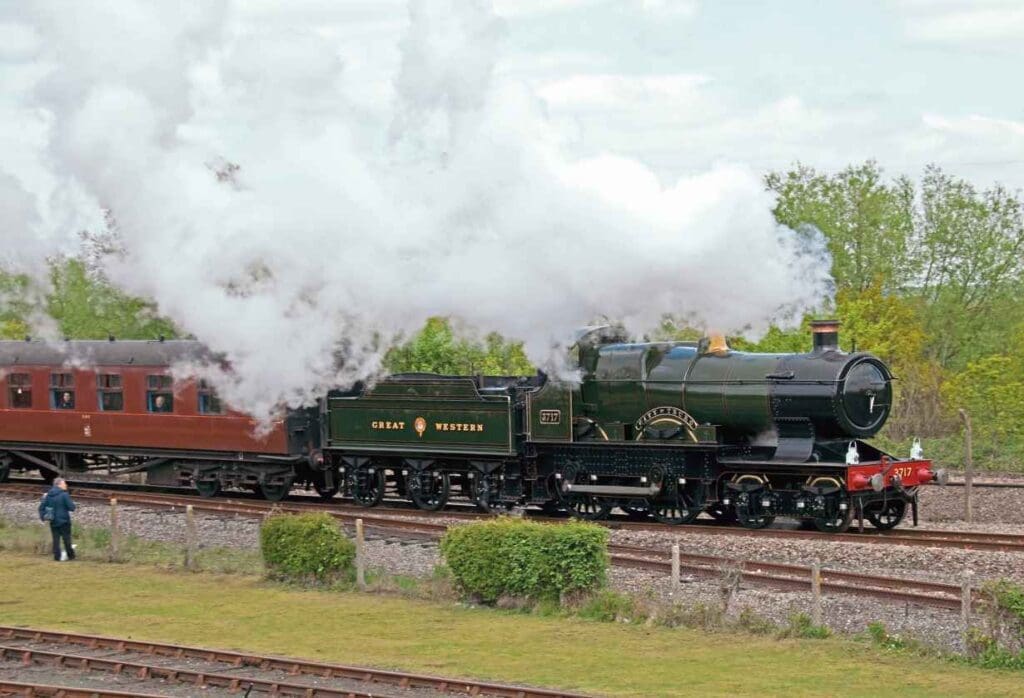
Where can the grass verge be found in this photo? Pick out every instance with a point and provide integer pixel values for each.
(245, 612)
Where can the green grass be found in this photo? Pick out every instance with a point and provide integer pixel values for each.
(245, 612)
(93, 544)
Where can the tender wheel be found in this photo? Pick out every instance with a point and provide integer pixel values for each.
(635, 509)
(484, 492)
(886, 515)
(208, 488)
(275, 493)
(366, 487)
(429, 489)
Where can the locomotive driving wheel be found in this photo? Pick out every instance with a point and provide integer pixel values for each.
(681, 508)
(886, 515)
(429, 489)
(366, 486)
(588, 507)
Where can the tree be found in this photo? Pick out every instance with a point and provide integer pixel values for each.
(867, 223)
(436, 349)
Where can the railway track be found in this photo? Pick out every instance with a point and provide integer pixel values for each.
(783, 576)
(412, 521)
(790, 577)
(203, 669)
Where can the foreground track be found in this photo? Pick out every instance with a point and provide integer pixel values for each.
(771, 574)
(206, 669)
(399, 518)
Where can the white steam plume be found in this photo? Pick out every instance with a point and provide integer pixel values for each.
(285, 213)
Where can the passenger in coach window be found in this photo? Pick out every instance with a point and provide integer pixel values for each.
(67, 401)
(160, 404)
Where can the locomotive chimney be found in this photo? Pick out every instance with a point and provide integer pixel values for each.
(825, 334)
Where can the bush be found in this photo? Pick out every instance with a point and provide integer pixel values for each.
(305, 548)
(800, 625)
(523, 558)
(1001, 643)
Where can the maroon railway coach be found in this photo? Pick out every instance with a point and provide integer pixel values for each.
(128, 406)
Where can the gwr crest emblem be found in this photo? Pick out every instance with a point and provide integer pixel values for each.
(420, 425)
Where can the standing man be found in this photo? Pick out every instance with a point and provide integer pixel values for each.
(56, 509)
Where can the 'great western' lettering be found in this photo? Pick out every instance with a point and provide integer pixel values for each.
(457, 426)
(387, 425)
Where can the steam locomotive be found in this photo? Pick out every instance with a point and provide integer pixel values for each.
(665, 430)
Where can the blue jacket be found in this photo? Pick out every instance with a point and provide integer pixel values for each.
(62, 506)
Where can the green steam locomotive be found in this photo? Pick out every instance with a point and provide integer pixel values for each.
(665, 430)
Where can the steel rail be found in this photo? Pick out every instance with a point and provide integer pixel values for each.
(234, 659)
(19, 688)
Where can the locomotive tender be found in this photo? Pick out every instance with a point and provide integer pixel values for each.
(663, 429)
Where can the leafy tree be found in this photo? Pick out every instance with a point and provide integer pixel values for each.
(86, 306)
(436, 349)
(867, 223)
(14, 306)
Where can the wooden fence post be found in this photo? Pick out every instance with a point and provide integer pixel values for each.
(675, 568)
(816, 592)
(968, 465)
(190, 538)
(114, 554)
(360, 556)
(965, 601)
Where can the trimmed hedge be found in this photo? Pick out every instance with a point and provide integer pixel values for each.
(305, 547)
(523, 558)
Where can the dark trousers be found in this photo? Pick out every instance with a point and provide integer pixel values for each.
(59, 533)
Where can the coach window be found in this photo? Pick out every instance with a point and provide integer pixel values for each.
(111, 396)
(19, 390)
(209, 403)
(62, 391)
(160, 396)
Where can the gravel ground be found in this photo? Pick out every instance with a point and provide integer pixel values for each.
(841, 613)
(991, 504)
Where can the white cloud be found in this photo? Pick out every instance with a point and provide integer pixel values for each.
(964, 21)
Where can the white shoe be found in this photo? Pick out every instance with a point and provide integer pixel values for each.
(63, 556)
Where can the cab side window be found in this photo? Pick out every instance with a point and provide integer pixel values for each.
(110, 392)
(209, 403)
(62, 391)
(19, 391)
(160, 394)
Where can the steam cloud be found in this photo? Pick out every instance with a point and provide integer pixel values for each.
(284, 212)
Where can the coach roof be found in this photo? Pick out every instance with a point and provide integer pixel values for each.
(104, 353)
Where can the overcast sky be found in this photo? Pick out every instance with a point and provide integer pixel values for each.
(682, 84)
